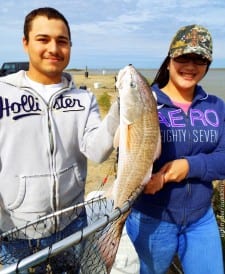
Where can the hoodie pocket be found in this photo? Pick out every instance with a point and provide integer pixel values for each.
(34, 194)
(70, 186)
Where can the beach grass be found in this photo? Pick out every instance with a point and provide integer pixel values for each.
(103, 86)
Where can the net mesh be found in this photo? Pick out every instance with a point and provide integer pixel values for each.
(90, 249)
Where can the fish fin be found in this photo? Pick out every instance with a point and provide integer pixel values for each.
(156, 156)
(158, 148)
(127, 137)
(116, 139)
(127, 140)
(108, 242)
(147, 176)
(154, 95)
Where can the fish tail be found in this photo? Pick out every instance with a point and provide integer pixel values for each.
(109, 241)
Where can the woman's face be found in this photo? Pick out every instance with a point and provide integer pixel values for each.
(186, 71)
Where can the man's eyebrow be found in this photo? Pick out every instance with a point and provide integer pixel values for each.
(58, 37)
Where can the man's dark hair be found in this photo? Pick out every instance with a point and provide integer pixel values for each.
(48, 12)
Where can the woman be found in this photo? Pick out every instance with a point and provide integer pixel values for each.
(174, 214)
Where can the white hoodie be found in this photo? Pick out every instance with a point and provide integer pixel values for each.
(43, 150)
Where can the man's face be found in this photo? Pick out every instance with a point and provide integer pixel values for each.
(48, 49)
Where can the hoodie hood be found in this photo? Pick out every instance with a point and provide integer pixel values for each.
(18, 79)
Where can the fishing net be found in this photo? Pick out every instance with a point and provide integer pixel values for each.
(91, 249)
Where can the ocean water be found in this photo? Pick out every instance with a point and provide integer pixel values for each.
(213, 82)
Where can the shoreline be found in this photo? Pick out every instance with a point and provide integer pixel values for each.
(213, 82)
(117, 69)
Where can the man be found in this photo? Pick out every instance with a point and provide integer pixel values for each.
(48, 130)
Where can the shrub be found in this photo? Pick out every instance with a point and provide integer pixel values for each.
(104, 102)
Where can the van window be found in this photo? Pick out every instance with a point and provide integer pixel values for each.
(24, 66)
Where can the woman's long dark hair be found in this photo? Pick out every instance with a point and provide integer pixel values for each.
(162, 76)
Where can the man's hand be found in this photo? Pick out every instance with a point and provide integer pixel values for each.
(155, 184)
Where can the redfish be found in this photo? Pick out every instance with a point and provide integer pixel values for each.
(139, 145)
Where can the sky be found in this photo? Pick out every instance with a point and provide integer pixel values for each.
(109, 34)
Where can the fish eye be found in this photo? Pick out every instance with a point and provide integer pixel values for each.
(132, 84)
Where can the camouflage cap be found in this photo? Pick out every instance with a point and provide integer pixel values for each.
(192, 39)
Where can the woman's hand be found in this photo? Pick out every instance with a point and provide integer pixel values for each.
(174, 171)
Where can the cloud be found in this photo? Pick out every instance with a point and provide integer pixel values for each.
(104, 30)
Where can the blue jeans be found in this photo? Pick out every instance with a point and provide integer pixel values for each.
(197, 245)
(12, 251)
